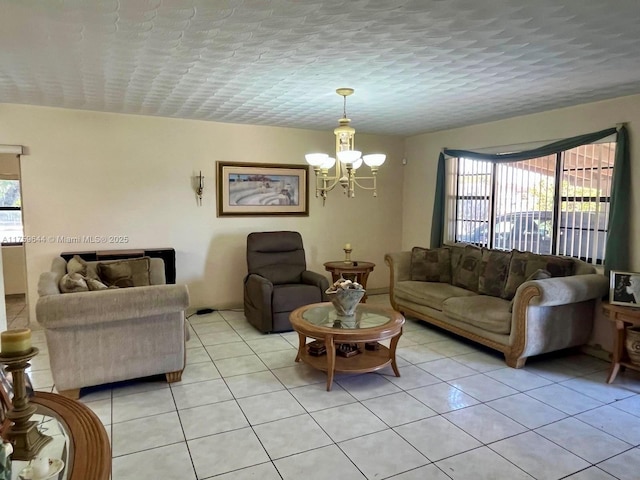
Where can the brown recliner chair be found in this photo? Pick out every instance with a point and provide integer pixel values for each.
(278, 281)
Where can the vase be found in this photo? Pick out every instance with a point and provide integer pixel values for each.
(345, 300)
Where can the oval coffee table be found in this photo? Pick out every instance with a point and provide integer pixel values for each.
(369, 325)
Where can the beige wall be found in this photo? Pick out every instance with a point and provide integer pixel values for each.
(13, 268)
(422, 156)
(88, 173)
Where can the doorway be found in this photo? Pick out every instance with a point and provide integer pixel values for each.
(13, 293)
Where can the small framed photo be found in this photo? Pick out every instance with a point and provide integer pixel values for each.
(624, 289)
(258, 189)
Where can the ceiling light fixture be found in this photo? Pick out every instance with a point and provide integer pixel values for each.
(348, 158)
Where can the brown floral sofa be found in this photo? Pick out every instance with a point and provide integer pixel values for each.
(519, 303)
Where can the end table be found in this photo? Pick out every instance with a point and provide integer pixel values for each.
(622, 317)
(355, 271)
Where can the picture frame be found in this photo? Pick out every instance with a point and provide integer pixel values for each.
(624, 288)
(262, 189)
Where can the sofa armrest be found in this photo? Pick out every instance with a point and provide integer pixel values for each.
(564, 290)
(400, 266)
(88, 308)
(317, 279)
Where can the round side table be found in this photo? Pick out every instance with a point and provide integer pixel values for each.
(355, 271)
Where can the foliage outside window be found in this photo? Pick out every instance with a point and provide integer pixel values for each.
(11, 231)
(557, 204)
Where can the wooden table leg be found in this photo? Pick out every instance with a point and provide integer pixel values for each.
(618, 348)
(302, 344)
(392, 353)
(331, 360)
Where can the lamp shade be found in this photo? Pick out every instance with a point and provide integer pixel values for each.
(328, 163)
(316, 159)
(375, 159)
(357, 164)
(348, 156)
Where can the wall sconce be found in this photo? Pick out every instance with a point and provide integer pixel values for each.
(199, 187)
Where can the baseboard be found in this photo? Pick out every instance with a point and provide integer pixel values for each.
(377, 291)
(596, 351)
(217, 307)
(240, 306)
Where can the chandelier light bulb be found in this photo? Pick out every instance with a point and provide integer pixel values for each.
(316, 159)
(349, 156)
(374, 159)
(328, 163)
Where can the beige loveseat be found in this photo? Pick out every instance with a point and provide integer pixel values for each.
(544, 315)
(109, 335)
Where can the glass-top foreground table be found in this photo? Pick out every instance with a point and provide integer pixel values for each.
(79, 449)
(364, 330)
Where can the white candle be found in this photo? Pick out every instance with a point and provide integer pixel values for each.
(15, 342)
(347, 246)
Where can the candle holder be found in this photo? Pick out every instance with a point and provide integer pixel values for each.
(347, 256)
(26, 438)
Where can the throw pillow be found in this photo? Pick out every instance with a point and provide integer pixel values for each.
(466, 273)
(494, 268)
(133, 272)
(431, 265)
(524, 264)
(556, 266)
(517, 273)
(77, 265)
(539, 274)
(73, 282)
(94, 284)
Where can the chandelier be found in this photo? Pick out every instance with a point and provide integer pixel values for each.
(349, 160)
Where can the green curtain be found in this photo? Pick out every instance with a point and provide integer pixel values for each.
(438, 221)
(617, 248)
(618, 234)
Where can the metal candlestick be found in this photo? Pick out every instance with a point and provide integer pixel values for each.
(347, 256)
(26, 438)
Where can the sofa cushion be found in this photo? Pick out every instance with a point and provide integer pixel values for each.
(132, 272)
(524, 264)
(494, 268)
(77, 265)
(429, 294)
(73, 282)
(456, 253)
(94, 284)
(431, 265)
(466, 272)
(489, 313)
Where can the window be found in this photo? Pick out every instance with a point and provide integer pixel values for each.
(558, 204)
(10, 212)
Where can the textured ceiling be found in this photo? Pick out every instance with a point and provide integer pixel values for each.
(415, 65)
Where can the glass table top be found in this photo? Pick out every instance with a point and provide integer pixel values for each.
(57, 449)
(365, 317)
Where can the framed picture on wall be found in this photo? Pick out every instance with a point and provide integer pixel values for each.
(624, 289)
(257, 189)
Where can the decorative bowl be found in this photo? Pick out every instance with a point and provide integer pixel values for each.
(345, 300)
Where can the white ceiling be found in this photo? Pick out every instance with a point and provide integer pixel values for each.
(415, 65)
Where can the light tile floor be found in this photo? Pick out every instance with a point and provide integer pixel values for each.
(16, 309)
(245, 409)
